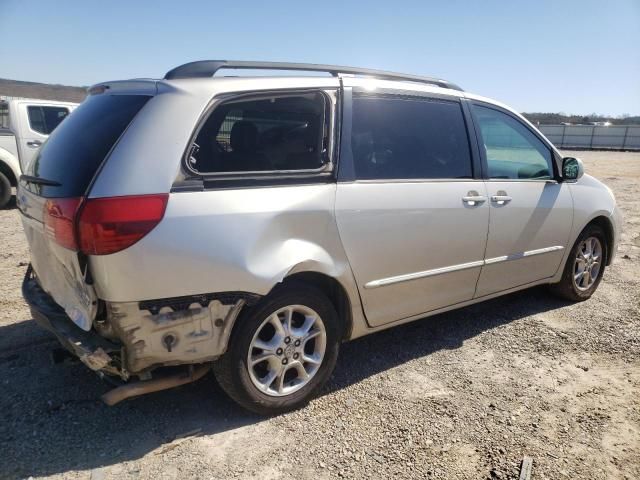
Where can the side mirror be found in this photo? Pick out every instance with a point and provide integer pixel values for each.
(572, 168)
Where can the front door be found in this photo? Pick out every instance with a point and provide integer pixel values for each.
(530, 213)
(413, 219)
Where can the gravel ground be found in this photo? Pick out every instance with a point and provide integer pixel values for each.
(466, 394)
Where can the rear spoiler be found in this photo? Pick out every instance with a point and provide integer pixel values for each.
(137, 86)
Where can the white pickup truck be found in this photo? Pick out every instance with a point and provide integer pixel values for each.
(25, 125)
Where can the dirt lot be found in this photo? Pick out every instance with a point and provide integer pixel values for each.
(465, 394)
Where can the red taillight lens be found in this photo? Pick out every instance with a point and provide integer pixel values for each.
(108, 225)
(59, 220)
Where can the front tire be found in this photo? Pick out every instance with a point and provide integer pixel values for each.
(282, 350)
(585, 266)
(5, 190)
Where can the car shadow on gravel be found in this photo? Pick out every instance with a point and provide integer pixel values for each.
(446, 331)
(51, 420)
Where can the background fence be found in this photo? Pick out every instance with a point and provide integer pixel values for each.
(617, 137)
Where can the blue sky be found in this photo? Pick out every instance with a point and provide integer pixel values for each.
(574, 56)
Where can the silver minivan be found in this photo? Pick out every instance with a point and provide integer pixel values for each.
(251, 224)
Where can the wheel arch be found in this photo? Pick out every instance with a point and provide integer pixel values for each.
(333, 289)
(330, 286)
(8, 172)
(605, 224)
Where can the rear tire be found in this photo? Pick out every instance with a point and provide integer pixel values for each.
(5, 190)
(585, 266)
(300, 331)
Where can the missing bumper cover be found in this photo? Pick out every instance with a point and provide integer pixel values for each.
(136, 337)
(175, 331)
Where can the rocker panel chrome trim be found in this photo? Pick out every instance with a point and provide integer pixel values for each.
(454, 268)
(518, 256)
(426, 273)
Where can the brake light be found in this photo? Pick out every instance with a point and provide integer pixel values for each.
(59, 220)
(108, 225)
(100, 226)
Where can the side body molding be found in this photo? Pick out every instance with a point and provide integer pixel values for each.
(462, 266)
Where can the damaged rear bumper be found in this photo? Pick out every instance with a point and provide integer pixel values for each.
(96, 352)
(134, 338)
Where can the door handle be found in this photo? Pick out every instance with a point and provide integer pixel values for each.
(501, 199)
(472, 198)
(34, 143)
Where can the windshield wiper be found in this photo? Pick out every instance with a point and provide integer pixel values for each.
(40, 181)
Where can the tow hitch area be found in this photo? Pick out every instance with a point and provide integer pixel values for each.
(135, 389)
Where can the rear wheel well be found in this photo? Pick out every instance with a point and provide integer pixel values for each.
(605, 224)
(7, 172)
(333, 290)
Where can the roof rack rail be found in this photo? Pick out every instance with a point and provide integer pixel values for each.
(208, 68)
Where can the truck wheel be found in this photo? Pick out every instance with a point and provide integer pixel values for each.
(282, 351)
(5, 190)
(585, 266)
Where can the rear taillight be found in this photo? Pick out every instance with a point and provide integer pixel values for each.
(108, 225)
(100, 226)
(59, 220)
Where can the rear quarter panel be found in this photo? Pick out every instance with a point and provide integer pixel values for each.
(229, 240)
(147, 157)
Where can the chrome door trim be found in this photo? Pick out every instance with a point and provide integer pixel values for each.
(523, 180)
(518, 256)
(417, 180)
(454, 268)
(426, 273)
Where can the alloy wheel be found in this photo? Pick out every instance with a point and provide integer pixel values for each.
(287, 350)
(587, 264)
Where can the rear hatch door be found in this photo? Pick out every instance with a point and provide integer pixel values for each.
(52, 191)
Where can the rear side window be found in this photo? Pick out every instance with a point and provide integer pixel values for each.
(512, 151)
(396, 138)
(74, 151)
(281, 132)
(43, 119)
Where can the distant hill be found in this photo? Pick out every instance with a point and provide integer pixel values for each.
(45, 91)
